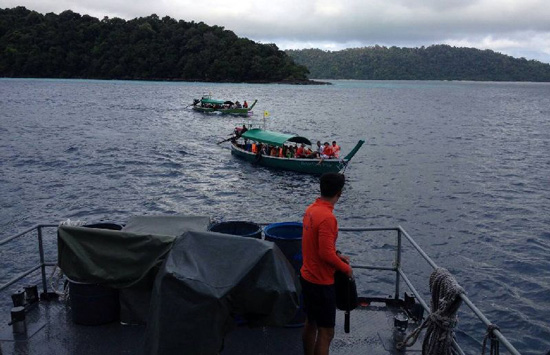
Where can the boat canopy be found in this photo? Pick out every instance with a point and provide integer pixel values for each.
(273, 138)
(209, 100)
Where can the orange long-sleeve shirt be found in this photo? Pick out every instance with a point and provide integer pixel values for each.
(319, 234)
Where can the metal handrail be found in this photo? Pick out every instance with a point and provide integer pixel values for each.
(400, 274)
(42, 265)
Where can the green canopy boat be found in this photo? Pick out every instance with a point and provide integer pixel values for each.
(241, 148)
(209, 105)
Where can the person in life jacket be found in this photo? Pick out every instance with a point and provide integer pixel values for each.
(245, 104)
(328, 152)
(300, 151)
(335, 149)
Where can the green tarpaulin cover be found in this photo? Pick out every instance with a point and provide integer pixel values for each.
(208, 100)
(273, 138)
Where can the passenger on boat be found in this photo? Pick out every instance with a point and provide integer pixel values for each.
(238, 131)
(320, 261)
(245, 104)
(320, 149)
(274, 151)
(300, 151)
(238, 104)
(327, 151)
(336, 149)
(292, 152)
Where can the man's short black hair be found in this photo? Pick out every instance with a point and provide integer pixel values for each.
(332, 184)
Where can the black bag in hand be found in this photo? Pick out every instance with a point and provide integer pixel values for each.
(346, 292)
(346, 295)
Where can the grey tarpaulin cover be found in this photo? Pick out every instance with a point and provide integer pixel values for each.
(173, 225)
(127, 259)
(206, 278)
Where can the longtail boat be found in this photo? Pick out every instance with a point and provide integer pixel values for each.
(209, 105)
(303, 165)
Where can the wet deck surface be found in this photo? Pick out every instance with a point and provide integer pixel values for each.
(50, 330)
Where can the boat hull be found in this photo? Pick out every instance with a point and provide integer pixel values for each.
(229, 111)
(307, 166)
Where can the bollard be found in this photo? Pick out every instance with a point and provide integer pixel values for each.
(18, 320)
(400, 323)
(31, 294)
(18, 298)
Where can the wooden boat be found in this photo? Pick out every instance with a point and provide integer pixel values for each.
(303, 165)
(209, 105)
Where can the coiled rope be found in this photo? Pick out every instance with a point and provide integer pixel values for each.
(442, 320)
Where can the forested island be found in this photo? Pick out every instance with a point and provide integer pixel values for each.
(437, 62)
(70, 45)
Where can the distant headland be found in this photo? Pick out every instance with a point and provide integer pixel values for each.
(70, 45)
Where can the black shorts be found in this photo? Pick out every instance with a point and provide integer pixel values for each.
(319, 303)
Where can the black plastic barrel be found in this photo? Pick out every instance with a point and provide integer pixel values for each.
(288, 237)
(105, 225)
(240, 228)
(93, 304)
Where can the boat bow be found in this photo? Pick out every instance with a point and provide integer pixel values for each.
(350, 155)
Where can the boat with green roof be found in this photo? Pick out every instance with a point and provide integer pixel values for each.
(242, 148)
(209, 105)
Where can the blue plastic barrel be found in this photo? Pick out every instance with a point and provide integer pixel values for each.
(288, 237)
(240, 228)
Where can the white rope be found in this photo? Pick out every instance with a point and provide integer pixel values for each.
(442, 320)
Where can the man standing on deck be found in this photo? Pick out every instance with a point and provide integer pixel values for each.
(320, 261)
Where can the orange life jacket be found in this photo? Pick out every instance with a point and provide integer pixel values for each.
(254, 148)
(328, 151)
(336, 150)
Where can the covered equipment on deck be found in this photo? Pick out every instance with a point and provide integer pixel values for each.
(186, 283)
(207, 279)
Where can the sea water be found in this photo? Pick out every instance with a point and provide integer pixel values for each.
(464, 167)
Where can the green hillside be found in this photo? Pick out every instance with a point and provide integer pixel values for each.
(69, 45)
(438, 62)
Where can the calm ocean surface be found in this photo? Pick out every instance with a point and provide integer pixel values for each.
(463, 167)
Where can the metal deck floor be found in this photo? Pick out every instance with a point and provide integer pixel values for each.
(50, 330)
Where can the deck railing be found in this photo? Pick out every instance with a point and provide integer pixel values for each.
(396, 267)
(43, 263)
(400, 274)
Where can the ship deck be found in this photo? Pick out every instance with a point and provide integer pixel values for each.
(50, 330)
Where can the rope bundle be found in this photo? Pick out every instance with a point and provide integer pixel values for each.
(442, 319)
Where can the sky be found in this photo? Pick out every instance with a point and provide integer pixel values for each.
(519, 28)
